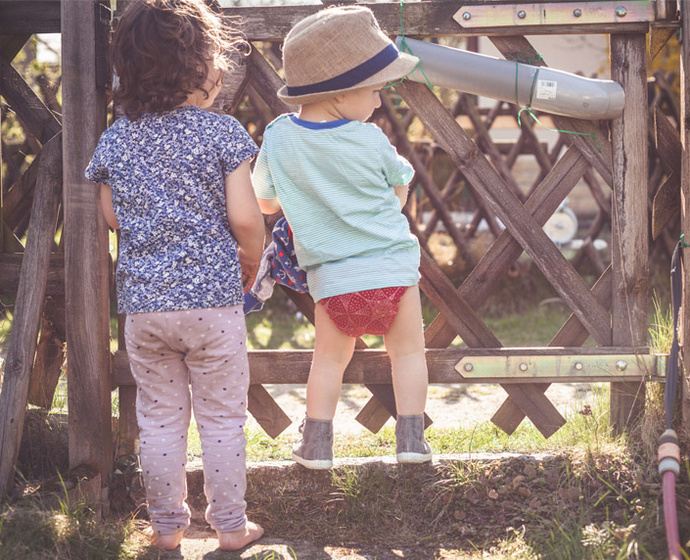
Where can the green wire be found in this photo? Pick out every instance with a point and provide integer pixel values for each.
(404, 47)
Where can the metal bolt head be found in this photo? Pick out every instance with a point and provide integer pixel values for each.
(468, 367)
(621, 11)
(578, 366)
(621, 365)
(522, 14)
(523, 366)
(466, 16)
(577, 12)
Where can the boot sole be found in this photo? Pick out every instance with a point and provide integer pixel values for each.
(413, 457)
(315, 464)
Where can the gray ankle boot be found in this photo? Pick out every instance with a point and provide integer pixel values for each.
(315, 451)
(410, 445)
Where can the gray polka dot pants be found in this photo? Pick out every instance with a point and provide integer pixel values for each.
(168, 351)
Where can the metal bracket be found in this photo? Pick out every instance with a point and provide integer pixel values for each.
(570, 13)
(528, 367)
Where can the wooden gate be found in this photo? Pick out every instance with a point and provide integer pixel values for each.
(606, 155)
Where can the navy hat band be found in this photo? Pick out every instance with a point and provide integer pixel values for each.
(350, 78)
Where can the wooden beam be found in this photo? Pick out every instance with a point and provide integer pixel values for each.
(86, 247)
(666, 204)
(629, 220)
(35, 117)
(10, 45)
(371, 367)
(503, 202)
(27, 311)
(684, 318)
(29, 16)
(505, 250)
(10, 272)
(272, 23)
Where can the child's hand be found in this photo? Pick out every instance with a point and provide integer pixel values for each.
(249, 271)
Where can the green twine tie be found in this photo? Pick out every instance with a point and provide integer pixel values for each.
(404, 47)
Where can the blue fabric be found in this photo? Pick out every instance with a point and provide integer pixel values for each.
(166, 173)
(352, 77)
(285, 269)
(278, 265)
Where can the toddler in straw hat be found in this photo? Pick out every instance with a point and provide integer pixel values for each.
(341, 186)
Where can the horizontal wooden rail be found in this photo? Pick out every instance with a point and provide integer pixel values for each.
(10, 268)
(373, 366)
(272, 23)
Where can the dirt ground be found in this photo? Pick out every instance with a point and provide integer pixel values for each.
(448, 405)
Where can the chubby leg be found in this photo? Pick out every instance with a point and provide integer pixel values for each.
(332, 352)
(405, 345)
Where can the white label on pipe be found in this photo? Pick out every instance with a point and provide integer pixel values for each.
(546, 89)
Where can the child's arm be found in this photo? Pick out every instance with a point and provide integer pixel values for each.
(246, 221)
(269, 205)
(401, 192)
(107, 207)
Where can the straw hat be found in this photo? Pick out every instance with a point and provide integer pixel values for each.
(336, 50)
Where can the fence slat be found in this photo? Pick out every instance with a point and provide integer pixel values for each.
(27, 309)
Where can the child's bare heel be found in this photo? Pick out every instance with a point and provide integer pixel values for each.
(166, 542)
(235, 540)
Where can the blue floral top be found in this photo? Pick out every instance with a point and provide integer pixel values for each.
(166, 173)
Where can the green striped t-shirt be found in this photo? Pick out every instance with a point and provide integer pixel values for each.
(334, 181)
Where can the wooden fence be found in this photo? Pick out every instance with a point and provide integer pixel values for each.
(636, 158)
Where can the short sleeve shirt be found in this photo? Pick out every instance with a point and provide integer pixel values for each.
(335, 184)
(167, 177)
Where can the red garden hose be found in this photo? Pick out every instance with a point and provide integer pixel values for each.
(669, 451)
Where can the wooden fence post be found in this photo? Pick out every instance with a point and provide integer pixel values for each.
(629, 222)
(684, 319)
(27, 311)
(86, 246)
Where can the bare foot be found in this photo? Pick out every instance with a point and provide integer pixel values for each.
(165, 542)
(235, 540)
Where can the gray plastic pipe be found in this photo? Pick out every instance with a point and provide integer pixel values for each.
(555, 91)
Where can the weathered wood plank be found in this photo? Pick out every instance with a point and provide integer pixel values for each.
(505, 250)
(265, 80)
(372, 367)
(10, 272)
(666, 204)
(29, 17)
(684, 318)
(50, 355)
(572, 333)
(474, 332)
(17, 201)
(85, 237)
(10, 45)
(27, 310)
(629, 228)
(266, 411)
(484, 178)
(35, 116)
(272, 23)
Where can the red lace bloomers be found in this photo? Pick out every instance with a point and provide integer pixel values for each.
(367, 312)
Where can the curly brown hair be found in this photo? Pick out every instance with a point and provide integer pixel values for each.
(163, 51)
